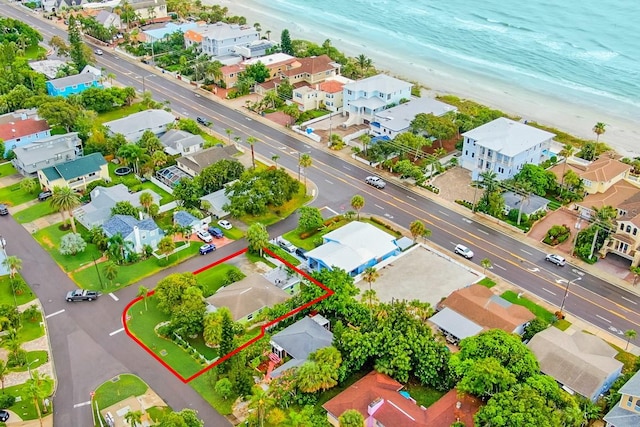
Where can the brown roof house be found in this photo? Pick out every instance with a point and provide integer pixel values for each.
(248, 297)
(582, 363)
(381, 401)
(471, 310)
(193, 163)
(627, 413)
(597, 176)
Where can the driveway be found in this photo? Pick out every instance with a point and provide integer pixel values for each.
(455, 184)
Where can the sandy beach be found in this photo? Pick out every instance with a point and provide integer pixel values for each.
(578, 120)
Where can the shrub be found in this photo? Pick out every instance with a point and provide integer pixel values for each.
(465, 203)
(7, 400)
(557, 234)
(431, 188)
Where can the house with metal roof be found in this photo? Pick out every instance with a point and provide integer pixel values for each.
(247, 298)
(139, 232)
(627, 412)
(134, 125)
(503, 146)
(46, 152)
(582, 363)
(72, 85)
(164, 31)
(364, 98)
(177, 141)
(396, 120)
(103, 199)
(193, 163)
(299, 340)
(75, 174)
(352, 248)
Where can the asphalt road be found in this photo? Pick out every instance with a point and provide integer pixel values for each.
(87, 333)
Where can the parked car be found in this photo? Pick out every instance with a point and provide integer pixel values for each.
(216, 232)
(556, 259)
(202, 121)
(223, 223)
(82, 295)
(205, 249)
(464, 251)
(204, 236)
(301, 253)
(98, 52)
(4, 416)
(286, 245)
(45, 195)
(4, 210)
(375, 181)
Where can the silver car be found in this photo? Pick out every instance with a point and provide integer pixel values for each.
(556, 259)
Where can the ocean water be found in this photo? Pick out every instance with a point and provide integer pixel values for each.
(584, 52)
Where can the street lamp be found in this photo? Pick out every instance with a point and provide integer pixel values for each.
(29, 366)
(566, 290)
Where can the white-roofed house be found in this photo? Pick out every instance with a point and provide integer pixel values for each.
(503, 146)
(45, 152)
(396, 120)
(352, 248)
(363, 98)
(134, 125)
(177, 141)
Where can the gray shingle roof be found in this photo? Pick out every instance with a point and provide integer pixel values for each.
(303, 338)
(147, 119)
(184, 218)
(46, 148)
(124, 224)
(77, 79)
(207, 157)
(75, 168)
(513, 201)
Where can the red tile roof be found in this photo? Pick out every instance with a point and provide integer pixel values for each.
(312, 65)
(331, 86)
(445, 411)
(22, 128)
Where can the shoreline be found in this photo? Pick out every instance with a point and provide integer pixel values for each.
(621, 134)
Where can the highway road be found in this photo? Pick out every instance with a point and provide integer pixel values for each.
(592, 299)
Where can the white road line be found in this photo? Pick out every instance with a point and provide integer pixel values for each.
(80, 405)
(411, 198)
(500, 267)
(54, 314)
(606, 320)
(346, 167)
(332, 211)
(329, 182)
(627, 299)
(379, 207)
(547, 290)
(483, 232)
(115, 298)
(443, 213)
(526, 252)
(453, 243)
(116, 332)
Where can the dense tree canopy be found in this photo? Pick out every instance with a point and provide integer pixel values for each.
(171, 289)
(214, 177)
(256, 191)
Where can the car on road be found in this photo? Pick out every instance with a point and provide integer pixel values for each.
(205, 249)
(286, 245)
(464, 251)
(375, 181)
(204, 236)
(4, 210)
(98, 52)
(216, 232)
(556, 259)
(223, 223)
(82, 295)
(4, 416)
(202, 121)
(45, 195)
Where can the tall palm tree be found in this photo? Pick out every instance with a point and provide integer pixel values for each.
(417, 229)
(37, 390)
(275, 159)
(229, 132)
(64, 199)
(110, 271)
(261, 402)
(117, 248)
(370, 275)
(143, 292)
(304, 163)
(134, 418)
(364, 63)
(131, 154)
(251, 141)
(631, 334)
(357, 203)
(485, 263)
(599, 129)
(3, 371)
(566, 152)
(146, 200)
(13, 264)
(268, 33)
(214, 70)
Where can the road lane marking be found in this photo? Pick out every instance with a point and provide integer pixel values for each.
(115, 298)
(379, 207)
(526, 252)
(547, 290)
(332, 211)
(329, 182)
(346, 167)
(483, 232)
(411, 198)
(627, 299)
(116, 332)
(499, 266)
(54, 314)
(80, 405)
(600, 317)
(443, 213)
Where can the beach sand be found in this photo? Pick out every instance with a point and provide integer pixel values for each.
(621, 134)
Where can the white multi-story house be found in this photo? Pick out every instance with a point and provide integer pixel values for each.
(503, 146)
(221, 39)
(363, 98)
(47, 152)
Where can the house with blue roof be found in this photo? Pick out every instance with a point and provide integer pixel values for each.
(72, 85)
(139, 232)
(185, 219)
(75, 174)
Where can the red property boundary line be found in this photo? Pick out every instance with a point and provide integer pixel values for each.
(263, 328)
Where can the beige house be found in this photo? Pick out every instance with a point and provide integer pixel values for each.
(150, 9)
(597, 176)
(627, 413)
(75, 174)
(327, 94)
(276, 63)
(193, 164)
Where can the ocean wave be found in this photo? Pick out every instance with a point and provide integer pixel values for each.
(599, 55)
(476, 26)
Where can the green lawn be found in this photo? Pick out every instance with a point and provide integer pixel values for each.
(14, 196)
(31, 328)
(233, 234)
(50, 237)
(6, 295)
(203, 386)
(41, 356)
(119, 388)
(142, 323)
(25, 407)
(7, 169)
(34, 212)
(425, 396)
(562, 324)
(214, 278)
(487, 282)
(540, 312)
(294, 235)
(275, 214)
(34, 52)
(148, 185)
(120, 113)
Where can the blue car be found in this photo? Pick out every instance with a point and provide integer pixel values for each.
(216, 232)
(205, 249)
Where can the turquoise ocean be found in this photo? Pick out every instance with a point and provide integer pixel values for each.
(583, 51)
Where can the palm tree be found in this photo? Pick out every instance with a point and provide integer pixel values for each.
(146, 200)
(364, 63)
(565, 153)
(117, 247)
(304, 163)
(485, 263)
(268, 33)
(134, 418)
(131, 154)
(636, 273)
(252, 140)
(13, 264)
(159, 158)
(229, 132)
(28, 185)
(631, 334)
(599, 129)
(214, 70)
(36, 390)
(357, 203)
(275, 159)
(64, 199)
(143, 292)
(260, 401)
(110, 271)
(166, 246)
(417, 229)
(110, 77)
(370, 275)
(3, 372)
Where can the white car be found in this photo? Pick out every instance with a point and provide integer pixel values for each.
(223, 223)
(375, 181)
(464, 251)
(98, 52)
(204, 236)
(556, 259)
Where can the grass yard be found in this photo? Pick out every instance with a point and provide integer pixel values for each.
(120, 113)
(275, 214)
(294, 235)
(148, 185)
(24, 406)
(30, 329)
(34, 212)
(234, 233)
(13, 195)
(7, 169)
(34, 52)
(487, 283)
(203, 386)
(142, 323)
(284, 255)
(6, 294)
(50, 237)
(425, 396)
(41, 356)
(540, 312)
(214, 278)
(119, 388)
